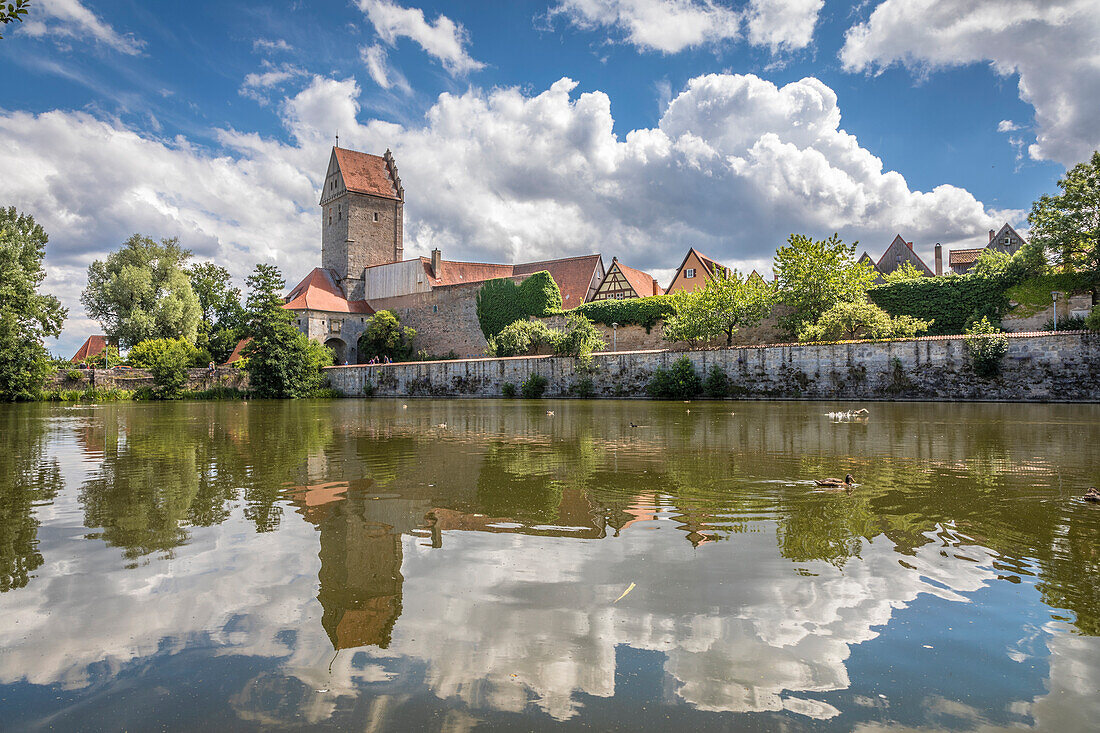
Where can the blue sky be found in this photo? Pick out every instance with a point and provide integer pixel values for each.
(525, 130)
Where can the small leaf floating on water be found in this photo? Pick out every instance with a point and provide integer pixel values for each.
(628, 589)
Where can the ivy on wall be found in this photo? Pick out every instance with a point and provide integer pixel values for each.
(950, 302)
(645, 312)
(502, 302)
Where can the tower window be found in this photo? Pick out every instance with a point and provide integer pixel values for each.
(376, 216)
(339, 215)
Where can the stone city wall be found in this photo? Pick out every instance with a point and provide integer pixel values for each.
(134, 379)
(1037, 368)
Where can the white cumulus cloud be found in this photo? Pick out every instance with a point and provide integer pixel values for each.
(1050, 44)
(733, 167)
(71, 19)
(380, 70)
(670, 26)
(443, 39)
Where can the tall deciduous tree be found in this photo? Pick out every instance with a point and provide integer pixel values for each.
(726, 303)
(142, 292)
(814, 275)
(1068, 224)
(282, 362)
(223, 316)
(26, 316)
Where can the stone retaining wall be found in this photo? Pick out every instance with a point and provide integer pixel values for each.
(1049, 367)
(134, 379)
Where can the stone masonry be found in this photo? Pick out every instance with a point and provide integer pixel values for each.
(1055, 367)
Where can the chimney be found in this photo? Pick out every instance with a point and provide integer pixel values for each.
(939, 259)
(909, 245)
(437, 263)
(655, 286)
(992, 234)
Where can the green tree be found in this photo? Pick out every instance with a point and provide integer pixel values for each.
(907, 271)
(580, 338)
(987, 345)
(858, 320)
(11, 10)
(142, 292)
(726, 303)
(814, 275)
(282, 362)
(168, 360)
(384, 337)
(223, 316)
(26, 316)
(1067, 225)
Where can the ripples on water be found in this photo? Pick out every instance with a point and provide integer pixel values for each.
(354, 564)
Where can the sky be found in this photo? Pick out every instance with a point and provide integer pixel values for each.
(530, 130)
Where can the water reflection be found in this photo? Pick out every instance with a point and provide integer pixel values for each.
(354, 560)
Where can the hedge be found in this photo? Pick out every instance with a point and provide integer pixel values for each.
(950, 302)
(501, 302)
(645, 312)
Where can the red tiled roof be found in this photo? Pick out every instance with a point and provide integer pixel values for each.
(94, 346)
(457, 273)
(572, 274)
(238, 350)
(964, 256)
(709, 262)
(365, 173)
(320, 292)
(643, 283)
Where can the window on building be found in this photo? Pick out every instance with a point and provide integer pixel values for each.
(690, 272)
(1008, 240)
(435, 309)
(336, 325)
(376, 216)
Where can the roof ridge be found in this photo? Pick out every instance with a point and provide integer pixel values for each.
(562, 259)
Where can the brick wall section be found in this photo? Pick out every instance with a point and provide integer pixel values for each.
(1037, 368)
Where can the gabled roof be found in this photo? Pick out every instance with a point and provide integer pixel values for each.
(1006, 228)
(900, 242)
(573, 275)
(238, 351)
(369, 174)
(643, 283)
(320, 292)
(93, 346)
(709, 263)
(964, 256)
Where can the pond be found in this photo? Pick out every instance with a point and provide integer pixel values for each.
(548, 565)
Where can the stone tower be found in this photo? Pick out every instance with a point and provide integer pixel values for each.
(362, 216)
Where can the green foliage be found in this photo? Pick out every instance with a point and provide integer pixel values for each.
(109, 356)
(907, 271)
(75, 375)
(26, 316)
(534, 386)
(949, 303)
(717, 384)
(986, 345)
(1092, 323)
(726, 303)
(425, 356)
(991, 263)
(644, 312)
(12, 10)
(89, 394)
(861, 320)
(580, 337)
(501, 302)
(282, 362)
(678, 382)
(1067, 225)
(223, 316)
(522, 338)
(1033, 294)
(384, 337)
(1067, 323)
(142, 292)
(508, 390)
(146, 353)
(584, 388)
(168, 360)
(812, 276)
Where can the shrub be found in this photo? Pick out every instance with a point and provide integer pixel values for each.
(168, 363)
(717, 383)
(678, 382)
(508, 390)
(384, 337)
(74, 375)
(861, 319)
(986, 345)
(580, 338)
(584, 388)
(1092, 323)
(644, 312)
(533, 388)
(146, 353)
(1067, 323)
(502, 302)
(425, 356)
(522, 338)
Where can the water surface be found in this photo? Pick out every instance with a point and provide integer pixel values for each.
(456, 565)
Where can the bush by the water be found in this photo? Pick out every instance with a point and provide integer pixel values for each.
(986, 344)
(580, 337)
(678, 382)
(508, 390)
(501, 302)
(717, 383)
(644, 312)
(534, 386)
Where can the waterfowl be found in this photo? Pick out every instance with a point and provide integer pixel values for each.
(1092, 495)
(550, 412)
(633, 425)
(836, 483)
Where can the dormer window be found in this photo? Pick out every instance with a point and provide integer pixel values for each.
(690, 272)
